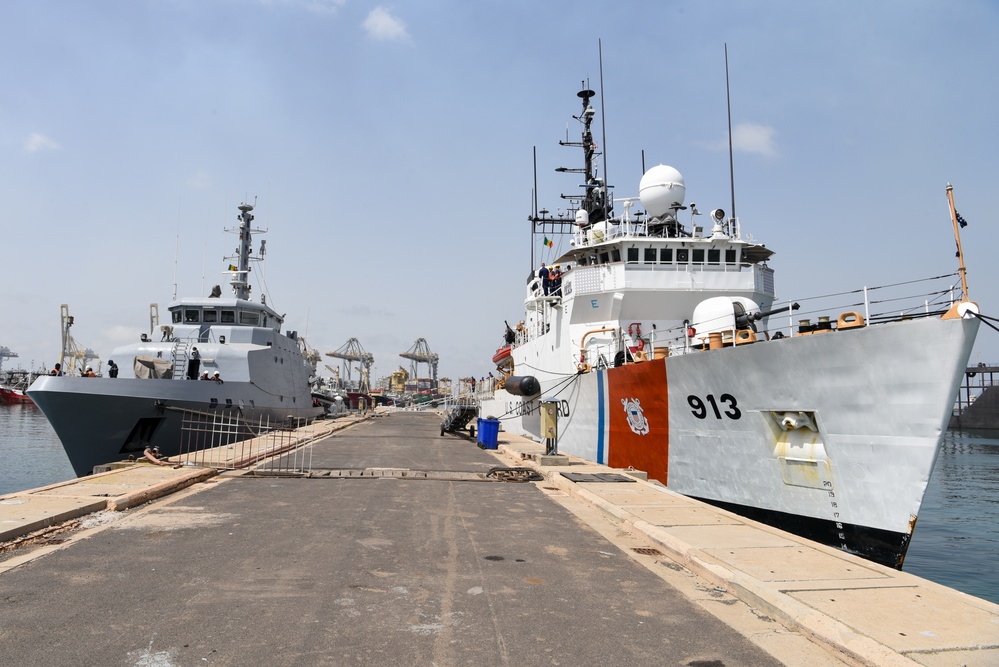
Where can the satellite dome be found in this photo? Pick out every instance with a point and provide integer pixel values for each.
(661, 190)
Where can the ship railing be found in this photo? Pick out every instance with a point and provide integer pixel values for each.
(906, 300)
(226, 440)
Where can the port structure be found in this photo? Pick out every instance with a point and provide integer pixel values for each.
(352, 354)
(5, 353)
(73, 358)
(420, 353)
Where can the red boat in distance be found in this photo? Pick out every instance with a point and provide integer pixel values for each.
(14, 396)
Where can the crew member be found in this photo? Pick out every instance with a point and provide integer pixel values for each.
(112, 369)
(193, 364)
(545, 275)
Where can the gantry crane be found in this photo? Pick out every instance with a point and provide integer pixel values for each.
(352, 353)
(5, 353)
(73, 358)
(420, 354)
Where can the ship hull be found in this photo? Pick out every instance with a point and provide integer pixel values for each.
(102, 420)
(832, 436)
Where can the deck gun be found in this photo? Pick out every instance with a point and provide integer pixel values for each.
(744, 320)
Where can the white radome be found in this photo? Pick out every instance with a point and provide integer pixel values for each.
(661, 190)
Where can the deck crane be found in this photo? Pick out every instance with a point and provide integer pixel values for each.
(352, 353)
(420, 354)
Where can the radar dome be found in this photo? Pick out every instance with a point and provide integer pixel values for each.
(661, 190)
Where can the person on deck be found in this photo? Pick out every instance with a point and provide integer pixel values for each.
(545, 275)
(555, 276)
(57, 370)
(217, 378)
(112, 369)
(193, 364)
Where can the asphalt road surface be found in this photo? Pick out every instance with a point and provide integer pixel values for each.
(370, 571)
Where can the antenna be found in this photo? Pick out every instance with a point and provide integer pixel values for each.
(204, 251)
(731, 161)
(534, 212)
(176, 252)
(603, 123)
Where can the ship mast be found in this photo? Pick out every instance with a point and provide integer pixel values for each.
(241, 273)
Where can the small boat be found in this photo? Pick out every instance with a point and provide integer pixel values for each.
(502, 358)
(13, 385)
(14, 396)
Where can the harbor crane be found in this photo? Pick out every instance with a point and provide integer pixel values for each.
(420, 354)
(73, 358)
(353, 354)
(5, 353)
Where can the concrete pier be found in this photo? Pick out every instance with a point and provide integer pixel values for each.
(404, 546)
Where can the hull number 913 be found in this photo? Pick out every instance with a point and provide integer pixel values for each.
(724, 406)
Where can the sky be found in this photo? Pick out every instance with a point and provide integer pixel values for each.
(389, 149)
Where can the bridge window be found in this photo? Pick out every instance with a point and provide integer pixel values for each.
(730, 256)
(210, 316)
(615, 255)
(249, 317)
(175, 316)
(191, 316)
(632, 255)
(698, 256)
(650, 255)
(714, 256)
(228, 317)
(666, 256)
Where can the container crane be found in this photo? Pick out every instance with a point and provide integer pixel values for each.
(5, 353)
(420, 354)
(73, 358)
(352, 353)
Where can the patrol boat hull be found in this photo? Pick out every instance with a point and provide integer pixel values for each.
(709, 425)
(101, 420)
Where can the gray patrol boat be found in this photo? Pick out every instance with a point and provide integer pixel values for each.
(165, 392)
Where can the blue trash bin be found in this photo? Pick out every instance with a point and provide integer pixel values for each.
(488, 435)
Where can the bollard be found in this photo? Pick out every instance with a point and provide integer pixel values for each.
(549, 426)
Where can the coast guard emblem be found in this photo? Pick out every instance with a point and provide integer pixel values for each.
(636, 418)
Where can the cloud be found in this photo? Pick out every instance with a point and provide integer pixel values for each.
(754, 138)
(381, 25)
(39, 142)
(747, 138)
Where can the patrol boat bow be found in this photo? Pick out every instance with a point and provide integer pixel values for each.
(658, 351)
(264, 374)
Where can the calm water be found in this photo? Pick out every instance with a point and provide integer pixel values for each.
(956, 542)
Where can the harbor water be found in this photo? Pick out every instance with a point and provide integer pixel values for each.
(956, 542)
